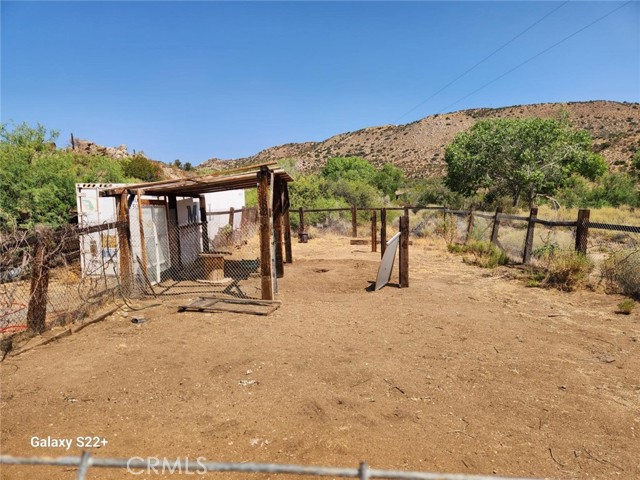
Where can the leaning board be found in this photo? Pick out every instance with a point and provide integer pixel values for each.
(386, 265)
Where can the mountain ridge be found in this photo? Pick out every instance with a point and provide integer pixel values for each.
(418, 147)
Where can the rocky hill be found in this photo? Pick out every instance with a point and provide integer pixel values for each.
(418, 147)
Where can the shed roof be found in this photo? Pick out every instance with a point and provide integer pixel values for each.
(240, 178)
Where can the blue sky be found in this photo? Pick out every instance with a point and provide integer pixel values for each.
(194, 80)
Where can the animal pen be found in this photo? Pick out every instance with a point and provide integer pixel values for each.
(159, 255)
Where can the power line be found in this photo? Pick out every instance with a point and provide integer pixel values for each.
(536, 56)
(484, 59)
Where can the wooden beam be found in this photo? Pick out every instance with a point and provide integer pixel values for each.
(582, 231)
(277, 227)
(374, 232)
(404, 251)
(288, 253)
(174, 234)
(204, 225)
(124, 243)
(143, 244)
(265, 234)
(383, 231)
(37, 312)
(528, 242)
(354, 221)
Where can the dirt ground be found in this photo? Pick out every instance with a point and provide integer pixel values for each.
(465, 371)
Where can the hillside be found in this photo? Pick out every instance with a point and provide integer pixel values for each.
(418, 147)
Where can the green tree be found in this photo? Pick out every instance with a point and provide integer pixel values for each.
(519, 157)
(142, 168)
(36, 181)
(389, 179)
(349, 168)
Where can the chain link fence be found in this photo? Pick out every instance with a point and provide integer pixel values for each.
(135, 466)
(220, 255)
(50, 278)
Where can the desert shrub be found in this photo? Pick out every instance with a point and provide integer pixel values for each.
(567, 269)
(626, 306)
(485, 254)
(142, 168)
(623, 270)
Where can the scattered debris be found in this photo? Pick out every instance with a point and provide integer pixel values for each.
(248, 383)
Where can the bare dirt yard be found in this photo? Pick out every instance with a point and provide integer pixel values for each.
(466, 371)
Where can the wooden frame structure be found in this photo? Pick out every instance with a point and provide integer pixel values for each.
(273, 206)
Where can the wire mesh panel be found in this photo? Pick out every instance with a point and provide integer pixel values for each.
(512, 233)
(615, 253)
(218, 254)
(77, 269)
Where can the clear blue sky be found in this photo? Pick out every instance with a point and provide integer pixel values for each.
(194, 80)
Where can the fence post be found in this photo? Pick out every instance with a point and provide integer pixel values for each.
(301, 227)
(582, 230)
(404, 251)
(288, 254)
(374, 231)
(232, 214)
(383, 231)
(124, 243)
(469, 226)
(265, 234)
(37, 312)
(528, 243)
(496, 226)
(204, 225)
(354, 221)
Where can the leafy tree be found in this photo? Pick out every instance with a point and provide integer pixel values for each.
(142, 168)
(389, 179)
(519, 157)
(187, 166)
(36, 182)
(349, 168)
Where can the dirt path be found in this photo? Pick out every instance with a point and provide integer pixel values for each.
(463, 372)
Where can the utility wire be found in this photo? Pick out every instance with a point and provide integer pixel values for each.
(484, 59)
(536, 56)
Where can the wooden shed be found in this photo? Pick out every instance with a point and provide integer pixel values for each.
(150, 211)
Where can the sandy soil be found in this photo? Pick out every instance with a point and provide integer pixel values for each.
(465, 371)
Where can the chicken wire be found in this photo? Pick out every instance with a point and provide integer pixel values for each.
(80, 269)
(220, 255)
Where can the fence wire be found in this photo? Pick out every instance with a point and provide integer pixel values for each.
(78, 265)
(138, 465)
(220, 255)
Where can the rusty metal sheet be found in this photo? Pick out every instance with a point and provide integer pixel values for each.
(386, 264)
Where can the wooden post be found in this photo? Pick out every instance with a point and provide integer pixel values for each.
(124, 243)
(469, 225)
(383, 231)
(37, 312)
(174, 235)
(406, 211)
(496, 226)
(243, 217)
(288, 254)
(404, 251)
(143, 244)
(277, 227)
(354, 221)
(582, 231)
(301, 227)
(265, 234)
(73, 142)
(204, 224)
(374, 231)
(528, 242)
(232, 214)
